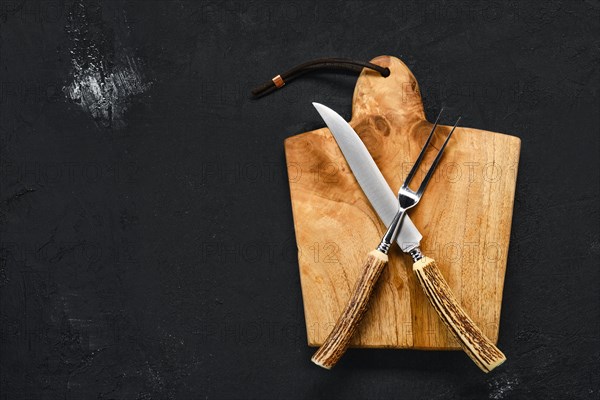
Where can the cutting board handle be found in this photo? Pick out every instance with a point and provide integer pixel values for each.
(400, 91)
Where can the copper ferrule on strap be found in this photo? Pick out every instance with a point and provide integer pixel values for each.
(278, 81)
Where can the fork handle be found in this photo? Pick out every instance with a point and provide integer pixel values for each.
(477, 346)
(338, 340)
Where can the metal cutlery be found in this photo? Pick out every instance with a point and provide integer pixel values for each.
(479, 348)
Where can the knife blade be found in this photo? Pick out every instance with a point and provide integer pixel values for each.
(369, 177)
(475, 344)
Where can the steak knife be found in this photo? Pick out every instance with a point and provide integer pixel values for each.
(477, 346)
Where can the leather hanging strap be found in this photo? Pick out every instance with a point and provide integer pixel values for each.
(321, 63)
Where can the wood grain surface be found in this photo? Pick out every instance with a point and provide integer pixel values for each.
(465, 218)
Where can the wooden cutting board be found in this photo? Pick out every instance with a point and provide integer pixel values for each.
(464, 216)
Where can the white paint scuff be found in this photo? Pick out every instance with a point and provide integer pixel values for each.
(501, 387)
(106, 96)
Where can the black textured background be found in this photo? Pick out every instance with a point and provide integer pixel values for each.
(146, 233)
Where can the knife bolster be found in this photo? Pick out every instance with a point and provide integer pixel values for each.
(339, 338)
(477, 346)
(416, 254)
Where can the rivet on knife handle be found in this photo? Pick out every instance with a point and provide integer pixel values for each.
(337, 342)
(477, 346)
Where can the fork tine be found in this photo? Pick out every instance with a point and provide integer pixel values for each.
(435, 162)
(415, 167)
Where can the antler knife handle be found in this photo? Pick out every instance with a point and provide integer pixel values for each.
(338, 340)
(477, 346)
